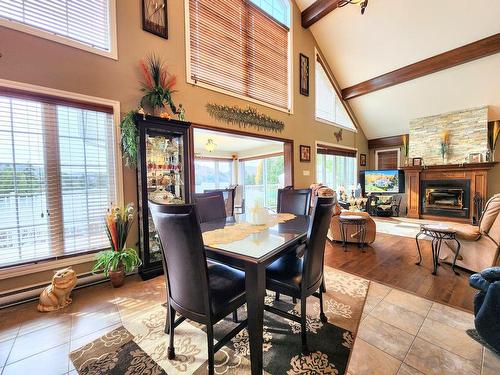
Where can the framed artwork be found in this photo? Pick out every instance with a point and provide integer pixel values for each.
(304, 74)
(154, 17)
(362, 160)
(305, 153)
(417, 162)
(475, 157)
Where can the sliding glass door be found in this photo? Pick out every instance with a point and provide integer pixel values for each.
(261, 179)
(336, 168)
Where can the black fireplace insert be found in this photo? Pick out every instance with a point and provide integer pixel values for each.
(449, 198)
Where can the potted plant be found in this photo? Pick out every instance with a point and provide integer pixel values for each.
(118, 260)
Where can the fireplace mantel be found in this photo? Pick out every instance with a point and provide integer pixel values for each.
(475, 173)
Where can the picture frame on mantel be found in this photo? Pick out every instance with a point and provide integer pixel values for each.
(304, 74)
(155, 17)
(416, 162)
(475, 157)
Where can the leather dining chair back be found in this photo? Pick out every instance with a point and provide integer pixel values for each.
(184, 256)
(229, 195)
(197, 290)
(315, 244)
(294, 201)
(210, 206)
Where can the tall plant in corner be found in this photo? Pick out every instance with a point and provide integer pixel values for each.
(158, 85)
(118, 260)
(493, 134)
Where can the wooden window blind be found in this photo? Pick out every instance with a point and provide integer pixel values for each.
(237, 47)
(86, 21)
(57, 179)
(331, 150)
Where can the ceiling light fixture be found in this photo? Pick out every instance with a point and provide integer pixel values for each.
(362, 3)
(210, 146)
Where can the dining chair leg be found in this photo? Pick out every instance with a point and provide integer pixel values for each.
(171, 349)
(277, 296)
(211, 353)
(322, 315)
(322, 287)
(235, 316)
(303, 326)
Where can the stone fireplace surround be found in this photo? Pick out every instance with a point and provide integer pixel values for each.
(473, 176)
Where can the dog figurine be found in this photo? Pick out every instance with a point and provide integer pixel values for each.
(56, 295)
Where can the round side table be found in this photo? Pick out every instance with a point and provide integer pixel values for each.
(353, 220)
(438, 233)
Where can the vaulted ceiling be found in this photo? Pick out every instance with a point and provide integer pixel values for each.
(393, 34)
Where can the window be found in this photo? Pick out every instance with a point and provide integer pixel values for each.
(336, 167)
(57, 178)
(84, 24)
(241, 48)
(329, 107)
(261, 179)
(212, 174)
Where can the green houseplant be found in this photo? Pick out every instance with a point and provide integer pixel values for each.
(118, 260)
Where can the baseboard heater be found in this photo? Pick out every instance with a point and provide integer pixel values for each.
(31, 293)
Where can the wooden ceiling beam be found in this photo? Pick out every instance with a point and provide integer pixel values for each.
(317, 11)
(469, 52)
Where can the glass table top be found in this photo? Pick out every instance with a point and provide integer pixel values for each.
(260, 244)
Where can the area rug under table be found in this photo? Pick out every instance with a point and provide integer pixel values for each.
(140, 345)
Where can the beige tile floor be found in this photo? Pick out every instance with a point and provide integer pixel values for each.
(399, 333)
(404, 334)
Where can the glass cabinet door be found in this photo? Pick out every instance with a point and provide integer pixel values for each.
(165, 177)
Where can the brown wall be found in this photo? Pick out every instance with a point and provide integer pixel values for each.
(29, 59)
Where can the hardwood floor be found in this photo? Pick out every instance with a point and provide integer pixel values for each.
(391, 260)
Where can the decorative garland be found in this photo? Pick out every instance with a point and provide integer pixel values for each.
(244, 117)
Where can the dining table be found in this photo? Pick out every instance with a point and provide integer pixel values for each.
(253, 254)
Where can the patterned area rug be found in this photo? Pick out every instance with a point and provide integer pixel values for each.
(140, 345)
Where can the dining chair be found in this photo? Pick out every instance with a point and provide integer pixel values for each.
(202, 291)
(303, 277)
(229, 198)
(210, 206)
(294, 201)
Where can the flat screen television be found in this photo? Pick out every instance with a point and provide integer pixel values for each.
(383, 181)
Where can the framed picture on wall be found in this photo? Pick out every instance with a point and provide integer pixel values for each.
(305, 153)
(362, 160)
(417, 162)
(304, 74)
(154, 17)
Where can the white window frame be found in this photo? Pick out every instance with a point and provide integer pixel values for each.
(25, 269)
(217, 162)
(207, 86)
(385, 150)
(112, 54)
(322, 120)
(356, 164)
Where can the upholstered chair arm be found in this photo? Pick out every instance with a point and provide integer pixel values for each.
(491, 274)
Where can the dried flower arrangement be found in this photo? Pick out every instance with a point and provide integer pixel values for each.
(114, 263)
(158, 84)
(444, 144)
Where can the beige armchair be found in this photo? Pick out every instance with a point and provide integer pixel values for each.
(480, 246)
